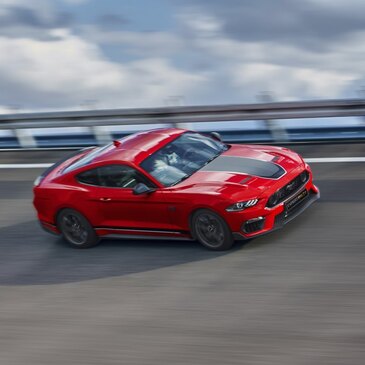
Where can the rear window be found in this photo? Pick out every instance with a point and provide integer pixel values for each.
(87, 159)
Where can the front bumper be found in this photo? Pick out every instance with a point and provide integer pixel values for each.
(281, 216)
(285, 217)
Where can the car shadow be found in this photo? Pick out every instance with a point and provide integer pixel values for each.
(29, 256)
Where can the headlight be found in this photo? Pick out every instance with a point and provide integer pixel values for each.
(237, 207)
(38, 180)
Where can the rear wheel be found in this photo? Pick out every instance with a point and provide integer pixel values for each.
(211, 230)
(76, 229)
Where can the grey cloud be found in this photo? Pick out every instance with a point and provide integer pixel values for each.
(303, 23)
(18, 21)
(22, 16)
(111, 21)
(18, 94)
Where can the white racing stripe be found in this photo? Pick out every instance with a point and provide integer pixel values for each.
(309, 160)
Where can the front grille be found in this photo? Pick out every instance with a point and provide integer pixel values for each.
(254, 225)
(296, 200)
(289, 189)
(287, 214)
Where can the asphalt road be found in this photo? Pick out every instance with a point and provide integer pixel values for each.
(296, 296)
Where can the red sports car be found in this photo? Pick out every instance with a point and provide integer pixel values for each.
(173, 183)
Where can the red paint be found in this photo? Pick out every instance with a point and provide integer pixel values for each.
(166, 211)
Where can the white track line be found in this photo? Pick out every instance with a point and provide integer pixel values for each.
(25, 165)
(334, 159)
(309, 160)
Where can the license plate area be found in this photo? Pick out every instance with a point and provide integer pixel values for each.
(293, 202)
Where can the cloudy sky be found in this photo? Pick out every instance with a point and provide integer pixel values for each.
(73, 54)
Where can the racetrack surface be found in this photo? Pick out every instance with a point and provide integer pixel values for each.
(296, 296)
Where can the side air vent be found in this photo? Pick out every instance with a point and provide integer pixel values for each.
(254, 225)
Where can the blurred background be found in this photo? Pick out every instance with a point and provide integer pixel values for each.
(296, 296)
(72, 54)
(65, 55)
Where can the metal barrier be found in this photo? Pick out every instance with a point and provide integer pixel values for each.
(95, 120)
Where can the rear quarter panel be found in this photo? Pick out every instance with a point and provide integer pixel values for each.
(52, 198)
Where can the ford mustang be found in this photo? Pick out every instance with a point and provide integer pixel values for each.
(173, 183)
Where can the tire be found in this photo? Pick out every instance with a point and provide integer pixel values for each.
(76, 229)
(211, 230)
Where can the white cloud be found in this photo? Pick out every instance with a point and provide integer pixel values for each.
(53, 65)
(6, 110)
(287, 83)
(72, 70)
(35, 4)
(201, 24)
(76, 2)
(338, 3)
(64, 70)
(287, 71)
(321, 83)
(12, 2)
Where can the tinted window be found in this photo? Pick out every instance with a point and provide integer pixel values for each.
(114, 176)
(90, 177)
(182, 157)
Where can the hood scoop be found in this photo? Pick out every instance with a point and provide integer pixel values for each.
(247, 166)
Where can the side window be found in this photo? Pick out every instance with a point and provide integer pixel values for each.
(89, 177)
(114, 176)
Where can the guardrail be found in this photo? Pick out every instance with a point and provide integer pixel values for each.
(97, 119)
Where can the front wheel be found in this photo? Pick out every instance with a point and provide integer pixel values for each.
(76, 229)
(211, 230)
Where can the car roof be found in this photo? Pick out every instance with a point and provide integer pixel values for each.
(136, 147)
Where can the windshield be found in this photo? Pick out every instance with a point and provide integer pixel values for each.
(182, 157)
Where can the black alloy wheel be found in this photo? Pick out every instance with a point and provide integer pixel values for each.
(211, 230)
(76, 230)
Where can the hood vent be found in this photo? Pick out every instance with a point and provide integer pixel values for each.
(246, 180)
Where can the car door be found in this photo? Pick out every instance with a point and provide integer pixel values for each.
(117, 207)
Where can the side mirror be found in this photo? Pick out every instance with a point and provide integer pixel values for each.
(141, 188)
(216, 136)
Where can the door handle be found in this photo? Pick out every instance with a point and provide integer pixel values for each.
(105, 199)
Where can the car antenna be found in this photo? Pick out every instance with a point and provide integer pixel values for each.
(117, 143)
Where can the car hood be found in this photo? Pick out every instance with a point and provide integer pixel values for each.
(252, 168)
